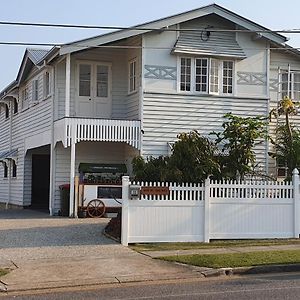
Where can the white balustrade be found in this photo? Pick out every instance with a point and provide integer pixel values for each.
(97, 130)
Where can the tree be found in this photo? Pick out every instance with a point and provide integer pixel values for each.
(287, 142)
(237, 142)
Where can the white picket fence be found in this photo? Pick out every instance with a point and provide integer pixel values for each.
(213, 210)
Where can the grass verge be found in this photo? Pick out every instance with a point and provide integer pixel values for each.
(3, 272)
(213, 244)
(238, 259)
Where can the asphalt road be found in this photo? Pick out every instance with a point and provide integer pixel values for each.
(273, 286)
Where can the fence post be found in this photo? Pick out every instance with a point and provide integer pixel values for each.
(296, 183)
(206, 209)
(125, 211)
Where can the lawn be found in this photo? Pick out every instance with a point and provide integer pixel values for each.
(213, 244)
(238, 259)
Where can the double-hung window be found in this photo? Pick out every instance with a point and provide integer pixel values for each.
(25, 98)
(206, 75)
(132, 76)
(47, 84)
(35, 90)
(290, 85)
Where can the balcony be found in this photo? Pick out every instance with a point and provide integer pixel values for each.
(75, 130)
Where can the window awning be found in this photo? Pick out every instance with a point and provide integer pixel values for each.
(11, 154)
(217, 45)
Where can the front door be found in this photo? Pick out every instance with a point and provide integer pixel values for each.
(94, 90)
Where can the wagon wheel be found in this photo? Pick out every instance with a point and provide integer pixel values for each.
(96, 208)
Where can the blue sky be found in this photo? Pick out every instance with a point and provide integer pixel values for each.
(275, 15)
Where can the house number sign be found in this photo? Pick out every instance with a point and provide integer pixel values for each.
(155, 190)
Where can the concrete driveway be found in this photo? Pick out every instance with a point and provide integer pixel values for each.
(49, 252)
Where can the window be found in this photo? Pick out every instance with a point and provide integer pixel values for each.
(290, 85)
(25, 98)
(47, 86)
(185, 74)
(35, 90)
(85, 80)
(5, 170)
(6, 111)
(206, 75)
(102, 81)
(281, 167)
(132, 76)
(15, 106)
(14, 169)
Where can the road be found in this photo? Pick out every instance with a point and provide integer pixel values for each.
(273, 286)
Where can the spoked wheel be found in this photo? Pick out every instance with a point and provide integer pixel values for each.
(96, 208)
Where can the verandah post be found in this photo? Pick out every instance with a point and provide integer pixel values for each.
(206, 209)
(125, 211)
(296, 183)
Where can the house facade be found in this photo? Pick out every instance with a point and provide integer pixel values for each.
(110, 98)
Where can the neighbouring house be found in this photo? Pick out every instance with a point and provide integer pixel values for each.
(109, 98)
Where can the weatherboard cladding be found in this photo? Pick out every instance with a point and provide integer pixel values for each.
(205, 41)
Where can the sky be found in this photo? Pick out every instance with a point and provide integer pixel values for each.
(275, 15)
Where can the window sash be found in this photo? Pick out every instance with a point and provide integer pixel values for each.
(5, 170)
(14, 169)
(290, 85)
(25, 98)
(35, 90)
(47, 84)
(132, 76)
(6, 111)
(206, 75)
(85, 73)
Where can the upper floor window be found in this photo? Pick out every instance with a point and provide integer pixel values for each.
(47, 84)
(35, 90)
(132, 76)
(25, 98)
(5, 170)
(6, 111)
(14, 169)
(15, 106)
(206, 75)
(290, 85)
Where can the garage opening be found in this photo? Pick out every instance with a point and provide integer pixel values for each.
(40, 181)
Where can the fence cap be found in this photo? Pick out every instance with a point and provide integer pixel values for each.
(295, 171)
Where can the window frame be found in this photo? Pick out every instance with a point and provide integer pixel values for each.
(15, 106)
(13, 169)
(25, 96)
(132, 77)
(47, 84)
(6, 111)
(5, 169)
(290, 82)
(35, 91)
(219, 75)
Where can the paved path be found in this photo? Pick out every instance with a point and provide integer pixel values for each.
(54, 252)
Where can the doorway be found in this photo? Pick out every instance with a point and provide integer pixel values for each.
(40, 181)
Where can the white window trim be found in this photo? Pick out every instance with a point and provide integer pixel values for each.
(34, 86)
(132, 61)
(22, 98)
(47, 94)
(193, 76)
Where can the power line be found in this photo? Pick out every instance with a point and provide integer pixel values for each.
(141, 28)
(121, 46)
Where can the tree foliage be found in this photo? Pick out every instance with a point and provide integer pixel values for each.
(237, 141)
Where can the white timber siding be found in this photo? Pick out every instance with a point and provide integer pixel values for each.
(133, 99)
(165, 116)
(87, 152)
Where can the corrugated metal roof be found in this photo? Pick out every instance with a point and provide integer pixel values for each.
(37, 54)
(204, 42)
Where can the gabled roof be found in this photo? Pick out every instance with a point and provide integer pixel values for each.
(169, 21)
(31, 58)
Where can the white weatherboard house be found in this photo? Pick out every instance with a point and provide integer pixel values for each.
(109, 98)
